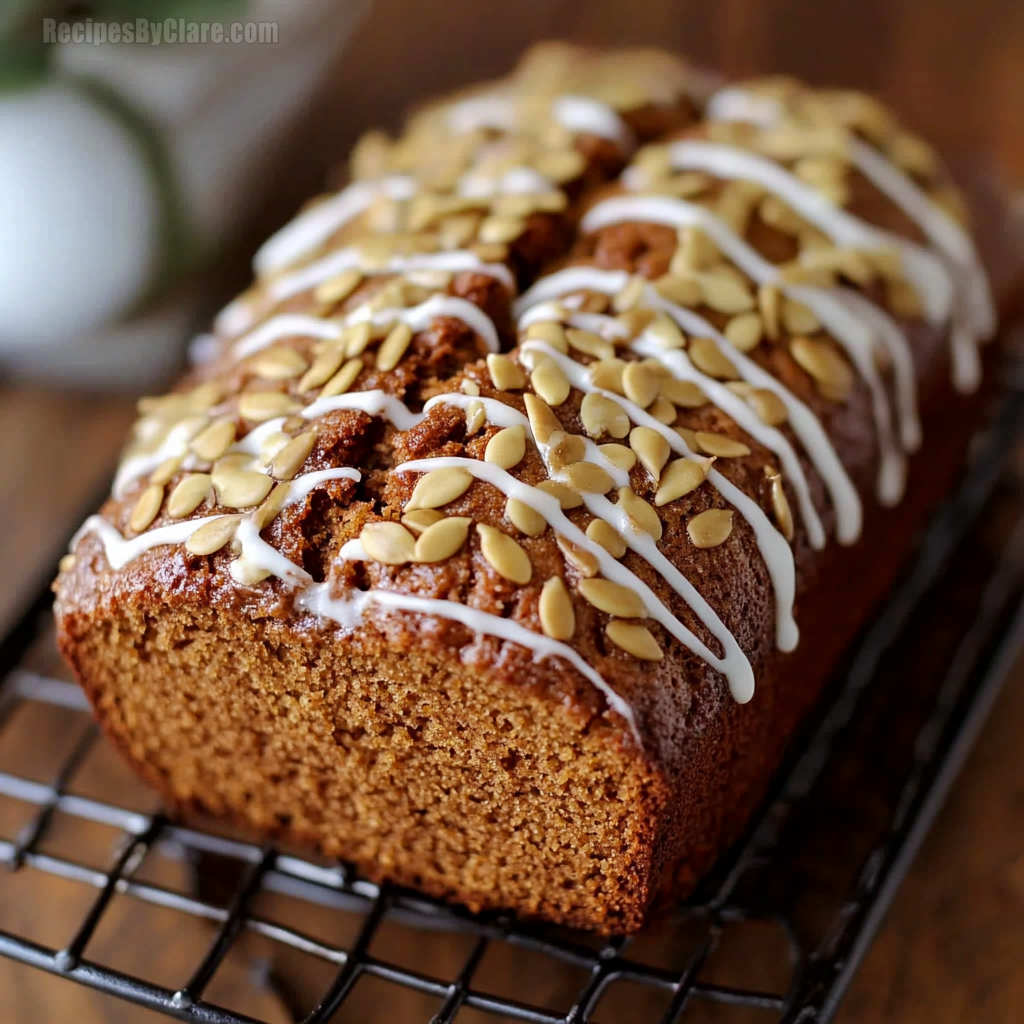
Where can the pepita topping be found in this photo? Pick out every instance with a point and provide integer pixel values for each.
(635, 424)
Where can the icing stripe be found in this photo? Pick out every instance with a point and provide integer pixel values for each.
(775, 550)
(928, 274)
(419, 318)
(314, 226)
(736, 669)
(350, 258)
(850, 332)
(805, 424)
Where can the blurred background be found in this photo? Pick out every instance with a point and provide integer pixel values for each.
(136, 181)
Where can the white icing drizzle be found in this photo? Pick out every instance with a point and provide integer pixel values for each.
(974, 314)
(850, 332)
(373, 403)
(588, 116)
(234, 318)
(681, 367)
(775, 550)
(498, 413)
(514, 181)
(120, 551)
(286, 325)
(734, 666)
(579, 114)
(314, 226)
(350, 258)
(929, 275)
(805, 424)
(350, 612)
(420, 317)
(896, 345)
(175, 444)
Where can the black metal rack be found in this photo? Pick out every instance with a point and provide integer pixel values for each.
(862, 788)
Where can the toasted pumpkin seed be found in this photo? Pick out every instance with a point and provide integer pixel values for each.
(419, 519)
(589, 343)
(439, 487)
(164, 473)
(829, 369)
(618, 455)
(394, 347)
(663, 410)
(710, 359)
(358, 337)
(607, 374)
(543, 422)
(685, 393)
(290, 458)
(505, 374)
(278, 363)
(711, 528)
(603, 533)
(612, 598)
(212, 536)
(442, 539)
(600, 415)
(505, 555)
(496, 229)
(146, 508)
(507, 447)
(565, 449)
(339, 287)
(324, 367)
(548, 381)
(651, 449)
(635, 639)
(476, 417)
(213, 441)
(679, 478)
(745, 331)
(271, 507)
(725, 294)
(588, 478)
(640, 513)
(769, 303)
(550, 332)
(798, 319)
(721, 446)
(240, 488)
(682, 289)
(524, 518)
(557, 617)
(579, 558)
(780, 504)
(630, 296)
(567, 497)
(388, 543)
(640, 383)
(189, 494)
(258, 406)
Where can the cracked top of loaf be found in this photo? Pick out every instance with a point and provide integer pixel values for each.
(576, 377)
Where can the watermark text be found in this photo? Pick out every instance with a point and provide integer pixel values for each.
(168, 32)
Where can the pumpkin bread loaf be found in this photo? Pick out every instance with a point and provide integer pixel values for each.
(503, 532)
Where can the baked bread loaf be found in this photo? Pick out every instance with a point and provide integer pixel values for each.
(503, 532)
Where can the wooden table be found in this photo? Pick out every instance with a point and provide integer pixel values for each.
(951, 947)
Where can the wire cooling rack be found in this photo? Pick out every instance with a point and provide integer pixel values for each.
(776, 934)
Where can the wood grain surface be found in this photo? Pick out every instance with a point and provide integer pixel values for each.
(952, 946)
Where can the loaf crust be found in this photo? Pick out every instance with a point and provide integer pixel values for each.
(441, 718)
